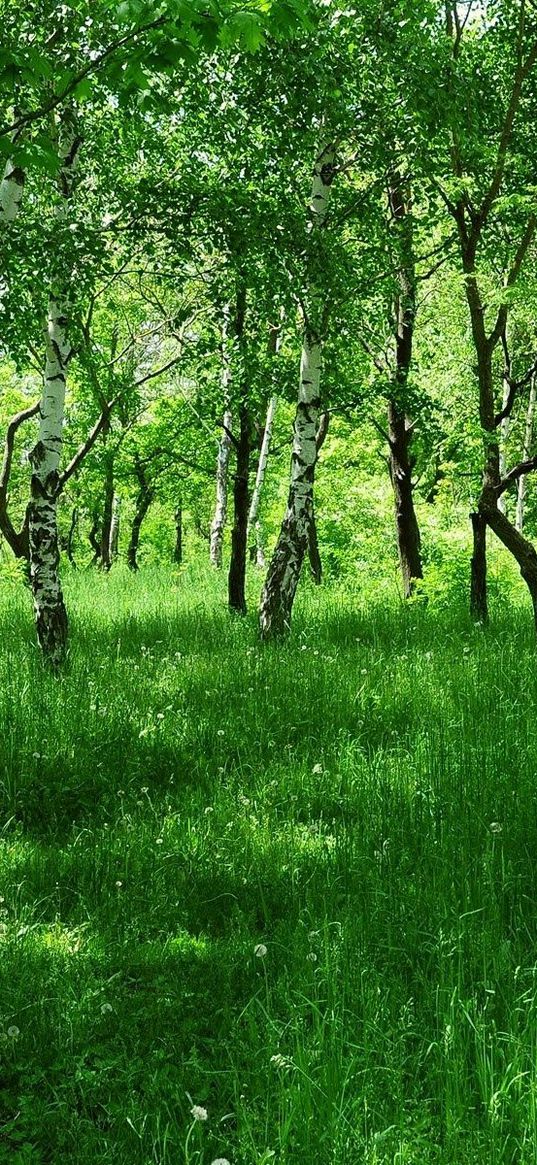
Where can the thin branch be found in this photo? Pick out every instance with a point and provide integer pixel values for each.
(11, 432)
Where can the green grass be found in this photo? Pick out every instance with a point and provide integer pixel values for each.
(361, 801)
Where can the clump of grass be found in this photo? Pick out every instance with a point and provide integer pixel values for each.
(294, 886)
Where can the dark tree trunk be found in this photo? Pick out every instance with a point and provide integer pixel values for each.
(399, 427)
(93, 537)
(178, 548)
(520, 547)
(143, 502)
(406, 524)
(108, 507)
(239, 533)
(71, 535)
(478, 569)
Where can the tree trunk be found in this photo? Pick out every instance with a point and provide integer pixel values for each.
(93, 537)
(478, 569)
(70, 536)
(11, 189)
(51, 616)
(399, 426)
(406, 524)
(504, 436)
(143, 502)
(239, 533)
(178, 548)
(108, 507)
(284, 570)
(114, 528)
(520, 547)
(314, 554)
(254, 530)
(526, 451)
(222, 459)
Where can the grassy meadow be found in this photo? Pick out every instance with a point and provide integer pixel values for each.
(294, 886)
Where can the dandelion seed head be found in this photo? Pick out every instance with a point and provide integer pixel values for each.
(260, 951)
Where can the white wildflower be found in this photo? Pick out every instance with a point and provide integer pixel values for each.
(260, 951)
(13, 1032)
(199, 1113)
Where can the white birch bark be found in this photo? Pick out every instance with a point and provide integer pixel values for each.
(11, 188)
(114, 528)
(51, 618)
(526, 453)
(284, 569)
(253, 522)
(222, 458)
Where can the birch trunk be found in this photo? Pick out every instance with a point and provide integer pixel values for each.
(256, 546)
(50, 613)
(222, 459)
(11, 189)
(526, 452)
(292, 545)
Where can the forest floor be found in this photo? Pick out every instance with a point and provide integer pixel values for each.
(295, 886)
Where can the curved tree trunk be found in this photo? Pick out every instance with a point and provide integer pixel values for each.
(50, 612)
(284, 570)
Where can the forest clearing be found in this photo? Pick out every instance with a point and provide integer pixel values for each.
(292, 885)
(268, 582)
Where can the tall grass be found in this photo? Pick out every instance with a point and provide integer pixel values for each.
(293, 885)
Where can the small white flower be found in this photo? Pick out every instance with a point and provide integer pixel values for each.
(13, 1032)
(159, 841)
(221, 1161)
(119, 885)
(317, 769)
(260, 951)
(495, 827)
(199, 1113)
(220, 732)
(105, 1007)
(312, 957)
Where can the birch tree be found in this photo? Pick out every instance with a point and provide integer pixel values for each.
(50, 612)
(284, 570)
